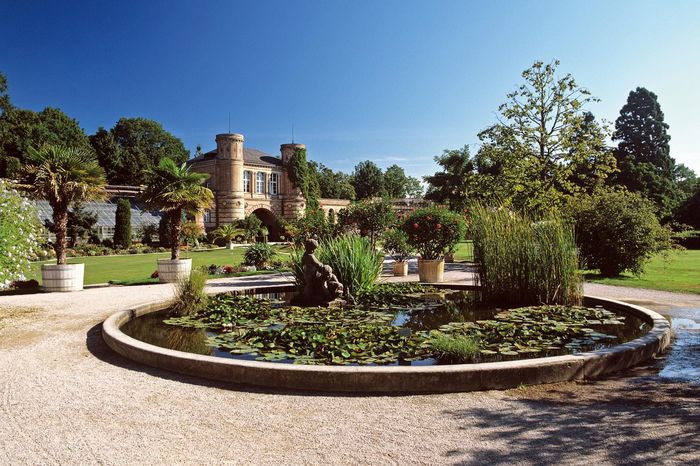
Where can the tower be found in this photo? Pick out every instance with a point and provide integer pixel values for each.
(229, 168)
(293, 203)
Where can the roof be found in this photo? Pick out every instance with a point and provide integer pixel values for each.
(250, 155)
(106, 213)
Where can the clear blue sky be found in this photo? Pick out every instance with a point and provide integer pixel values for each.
(389, 81)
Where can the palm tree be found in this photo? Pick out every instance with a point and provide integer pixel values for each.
(228, 233)
(175, 189)
(62, 176)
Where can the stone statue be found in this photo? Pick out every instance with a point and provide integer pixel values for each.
(321, 285)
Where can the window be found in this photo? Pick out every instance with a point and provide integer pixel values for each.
(207, 215)
(246, 181)
(260, 182)
(273, 183)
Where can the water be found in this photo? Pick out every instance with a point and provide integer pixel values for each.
(683, 362)
(435, 310)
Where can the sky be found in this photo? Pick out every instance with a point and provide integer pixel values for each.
(395, 82)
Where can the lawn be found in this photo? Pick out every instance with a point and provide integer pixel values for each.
(464, 252)
(102, 269)
(679, 272)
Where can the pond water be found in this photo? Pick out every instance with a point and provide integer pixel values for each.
(425, 312)
(683, 361)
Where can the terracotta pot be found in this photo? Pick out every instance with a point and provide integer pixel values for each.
(68, 277)
(400, 269)
(170, 271)
(431, 271)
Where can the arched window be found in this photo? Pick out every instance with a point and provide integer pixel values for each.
(260, 183)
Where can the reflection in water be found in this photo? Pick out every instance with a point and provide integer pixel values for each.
(683, 362)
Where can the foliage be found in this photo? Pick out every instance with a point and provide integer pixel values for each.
(395, 182)
(147, 232)
(228, 233)
(522, 261)
(368, 180)
(251, 226)
(190, 297)
(191, 233)
(617, 231)
(332, 185)
(370, 217)
(534, 156)
(689, 210)
(433, 231)
(395, 242)
(312, 225)
(455, 185)
(62, 176)
(176, 189)
(134, 146)
(303, 176)
(643, 151)
(122, 227)
(353, 260)
(258, 254)
(413, 187)
(20, 233)
(455, 348)
(164, 231)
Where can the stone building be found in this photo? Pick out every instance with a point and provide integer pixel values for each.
(248, 181)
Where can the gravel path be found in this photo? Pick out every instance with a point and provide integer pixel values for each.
(65, 398)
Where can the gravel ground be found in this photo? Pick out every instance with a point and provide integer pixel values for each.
(65, 398)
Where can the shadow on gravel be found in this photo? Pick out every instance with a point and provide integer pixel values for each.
(627, 420)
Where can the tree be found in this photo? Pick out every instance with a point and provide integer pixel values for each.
(122, 227)
(414, 188)
(370, 217)
(395, 182)
(529, 158)
(454, 185)
(80, 223)
(643, 152)
(251, 226)
(136, 145)
(686, 181)
(303, 175)
(332, 185)
(368, 180)
(689, 211)
(176, 190)
(62, 176)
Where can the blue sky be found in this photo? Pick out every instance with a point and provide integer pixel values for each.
(389, 81)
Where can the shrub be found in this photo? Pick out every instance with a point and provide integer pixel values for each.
(353, 260)
(396, 244)
(122, 225)
(190, 297)
(20, 231)
(434, 231)
(251, 227)
(617, 231)
(258, 254)
(147, 233)
(523, 262)
(370, 218)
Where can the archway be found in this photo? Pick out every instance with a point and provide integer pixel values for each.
(269, 220)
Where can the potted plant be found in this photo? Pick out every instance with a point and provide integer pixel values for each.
(62, 176)
(397, 246)
(228, 233)
(433, 231)
(176, 190)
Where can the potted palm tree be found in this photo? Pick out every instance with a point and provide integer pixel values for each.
(176, 190)
(62, 176)
(396, 245)
(228, 233)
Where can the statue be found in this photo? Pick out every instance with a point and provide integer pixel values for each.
(321, 285)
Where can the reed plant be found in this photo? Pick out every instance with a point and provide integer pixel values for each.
(190, 297)
(353, 260)
(522, 261)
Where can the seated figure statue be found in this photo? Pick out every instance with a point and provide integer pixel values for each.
(321, 284)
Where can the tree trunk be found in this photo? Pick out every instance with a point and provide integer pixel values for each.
(60, 222)
(175, 228)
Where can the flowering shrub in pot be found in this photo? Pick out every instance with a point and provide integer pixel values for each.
(433, 231)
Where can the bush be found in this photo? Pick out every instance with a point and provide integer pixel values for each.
(258, 254)
(370, 218)
(396, 244)
(147, 233)
(190, 297)
(353, 260)
(20, 232)
(617, 231)
(523, 262)
(434, 231)
(122, 226)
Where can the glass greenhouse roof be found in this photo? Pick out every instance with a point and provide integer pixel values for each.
(106, 212)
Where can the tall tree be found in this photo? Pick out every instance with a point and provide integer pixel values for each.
(414, 188)
(368, 180)
(530, 156)
(109, 154)
(332, 184)
(122, 224)
(455, 184)
(643, 151)
(395, 182)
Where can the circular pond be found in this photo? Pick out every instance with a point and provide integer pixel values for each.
(399, 338)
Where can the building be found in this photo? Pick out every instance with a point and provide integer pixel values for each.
(248, 181)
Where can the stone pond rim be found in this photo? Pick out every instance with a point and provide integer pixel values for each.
(394, 379)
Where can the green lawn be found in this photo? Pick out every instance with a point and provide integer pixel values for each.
(680, 272)
(102, 269)
(464, 252)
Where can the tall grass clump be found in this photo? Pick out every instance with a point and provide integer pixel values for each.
(353, 260)
(522, 261)
(456, 348)
(190, 297)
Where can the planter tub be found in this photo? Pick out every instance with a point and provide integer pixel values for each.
(170, 271)
(400, 269)
(431, 271)
(68, 277)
